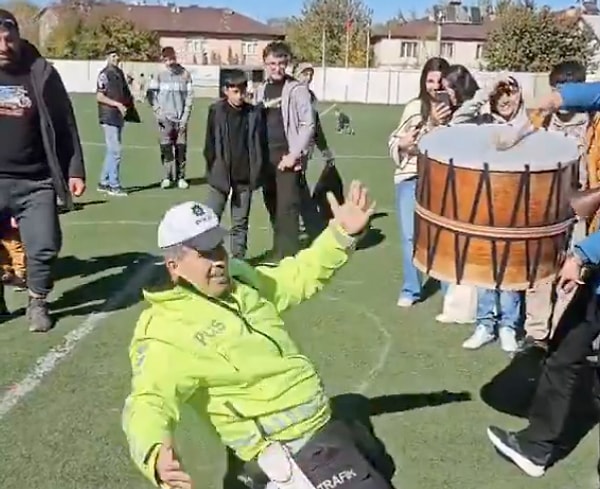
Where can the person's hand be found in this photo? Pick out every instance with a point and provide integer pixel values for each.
(407, 139)
(569, 276)
(550, 103)
(169, 470)
(289, 162)
(76, 186)
(440, 114)
(122, 108)
(354, 214)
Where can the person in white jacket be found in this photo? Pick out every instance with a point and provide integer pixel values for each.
(419, 116)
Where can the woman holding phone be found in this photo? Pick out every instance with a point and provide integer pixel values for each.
(419, 116)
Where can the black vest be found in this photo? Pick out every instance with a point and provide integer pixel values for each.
(117, 90)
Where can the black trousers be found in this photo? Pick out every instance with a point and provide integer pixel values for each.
(33, 204)
(341, 455)
(282, 196)
(566, 361)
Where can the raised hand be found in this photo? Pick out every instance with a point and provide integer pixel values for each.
(354, 214)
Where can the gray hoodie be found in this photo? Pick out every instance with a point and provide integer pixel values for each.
(174, 95)
(298, 115)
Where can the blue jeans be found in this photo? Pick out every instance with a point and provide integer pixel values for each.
(405, 211)
(498, 307)
(112, 158)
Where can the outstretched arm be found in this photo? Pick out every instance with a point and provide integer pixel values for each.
(151, 411)
(300, 277)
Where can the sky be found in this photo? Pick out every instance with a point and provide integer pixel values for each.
(382, 9)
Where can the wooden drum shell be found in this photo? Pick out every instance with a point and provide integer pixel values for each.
(461, 213)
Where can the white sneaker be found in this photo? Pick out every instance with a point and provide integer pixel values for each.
(182, 184)
(443, 318)
(405, 302)
(481, 337)
(166, 183)
(508, 340)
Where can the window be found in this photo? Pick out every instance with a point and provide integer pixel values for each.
(249, 48)
(479, 51)
(447, 50)
(195, 46)
(409, 50)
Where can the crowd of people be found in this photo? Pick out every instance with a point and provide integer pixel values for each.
(215, 320)
(507, 315)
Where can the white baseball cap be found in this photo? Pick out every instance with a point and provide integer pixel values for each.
(191, 224)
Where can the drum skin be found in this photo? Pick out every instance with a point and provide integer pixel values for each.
(492, 229)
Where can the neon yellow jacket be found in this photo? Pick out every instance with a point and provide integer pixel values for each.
(230, 358)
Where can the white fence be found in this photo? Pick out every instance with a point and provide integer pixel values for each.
(372, 86)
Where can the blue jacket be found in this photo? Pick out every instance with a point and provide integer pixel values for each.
(588, 250)
(580, 97)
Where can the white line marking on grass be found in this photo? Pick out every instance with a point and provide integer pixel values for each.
(199, 150)
(110, 223)
(386, 347)
(48, 362)
(328, 109)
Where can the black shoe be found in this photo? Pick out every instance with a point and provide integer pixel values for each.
(116, 192)
(509, 445)
(38, 315)
(103, 188)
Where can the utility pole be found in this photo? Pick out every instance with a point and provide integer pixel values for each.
(439, 18)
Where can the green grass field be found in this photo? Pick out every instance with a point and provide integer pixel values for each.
(66, 434)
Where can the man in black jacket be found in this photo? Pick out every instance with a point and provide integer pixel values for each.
(114, 98)
(40, 158)
(234, 156)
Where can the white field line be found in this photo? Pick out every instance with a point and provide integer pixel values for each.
(328, 109)
(46, 364)
(199, 150)
(386, 344)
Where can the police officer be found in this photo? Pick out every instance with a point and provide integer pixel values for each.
(114, 98)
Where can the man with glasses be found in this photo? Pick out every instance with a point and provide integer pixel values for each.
(172, 106)
(213, 340)
(290, 123)
(40, 159)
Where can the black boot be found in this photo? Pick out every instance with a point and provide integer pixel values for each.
(38, 315)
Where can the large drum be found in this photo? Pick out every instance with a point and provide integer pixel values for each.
(489, 218)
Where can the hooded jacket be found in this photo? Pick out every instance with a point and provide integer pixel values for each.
(298, 115)
(59, 131)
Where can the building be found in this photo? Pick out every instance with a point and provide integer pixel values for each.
(453, 31)
(199, 35)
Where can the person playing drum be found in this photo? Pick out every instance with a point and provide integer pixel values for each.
(582, 126)
(499, 309)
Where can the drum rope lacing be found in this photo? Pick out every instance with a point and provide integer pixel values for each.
(504, 233)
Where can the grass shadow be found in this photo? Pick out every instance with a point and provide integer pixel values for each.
(99, 295)
(512, 390)
(356, 411)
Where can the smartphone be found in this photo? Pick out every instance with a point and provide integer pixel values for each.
(443, 97)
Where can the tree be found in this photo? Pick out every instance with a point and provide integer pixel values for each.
(529, 39)
(91, 38)
(337, 19)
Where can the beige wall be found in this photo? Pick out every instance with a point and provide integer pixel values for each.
(207, 50)
(411, 52)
